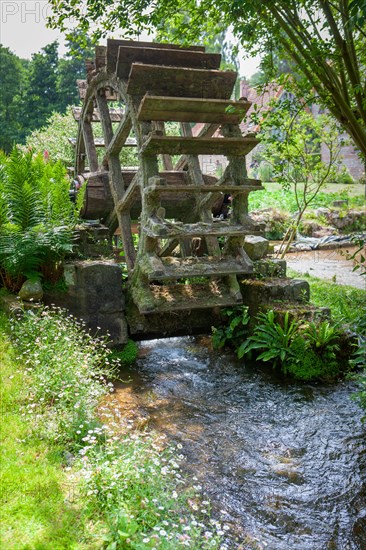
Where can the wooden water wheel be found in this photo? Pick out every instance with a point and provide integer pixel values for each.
(156, 84)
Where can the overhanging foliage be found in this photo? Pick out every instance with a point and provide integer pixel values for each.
(325, 39)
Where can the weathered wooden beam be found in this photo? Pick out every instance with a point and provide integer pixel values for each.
(90, 145)
(104, 116)
(167, 159)
(180, 82)
(80, 157)
(116, 181)
(196, 177)
(163, 56)
(192, 110)
(207, 130)
(205, 266)
(252, 185)
(120, 137)
(130, 195)
(99, 142)
(168, 248)
(237, 172)
(163, 229)
(115, 114)
(238, 146)
(182, 297)
(82, 85)
(113, 46)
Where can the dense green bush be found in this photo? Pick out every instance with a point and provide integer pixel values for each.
(36, 217)
(305, 351)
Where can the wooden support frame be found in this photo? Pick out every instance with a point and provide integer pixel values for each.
(207, 102)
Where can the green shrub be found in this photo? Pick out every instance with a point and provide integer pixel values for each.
(278, 344)
(344, 176)
(305, 351)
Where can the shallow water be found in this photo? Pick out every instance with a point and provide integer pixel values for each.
(287, 463)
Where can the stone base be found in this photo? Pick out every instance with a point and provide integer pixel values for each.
(95, 295)
(259, 293)
(179, 323)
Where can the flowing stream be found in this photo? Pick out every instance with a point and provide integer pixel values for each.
(284, 463)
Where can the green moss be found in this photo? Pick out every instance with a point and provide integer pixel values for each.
(313, 367)
(128, 355)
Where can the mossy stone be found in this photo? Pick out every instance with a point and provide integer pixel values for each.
(31, 291)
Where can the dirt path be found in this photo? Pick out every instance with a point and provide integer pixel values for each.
(326, 264)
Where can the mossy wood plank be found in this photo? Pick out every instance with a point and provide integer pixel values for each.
(162, 56)
(252, 185)
(192, 110)
(157, 228)
(114, 45)
(169, 298)
(180, 82)
(171, 268)
(173, 145)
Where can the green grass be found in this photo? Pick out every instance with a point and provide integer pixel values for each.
(35, 513)
(346, 303)
(69, 481)
(275, 197)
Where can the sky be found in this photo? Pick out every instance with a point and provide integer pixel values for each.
(23, 30)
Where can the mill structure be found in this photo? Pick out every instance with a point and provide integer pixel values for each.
(185, 258)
